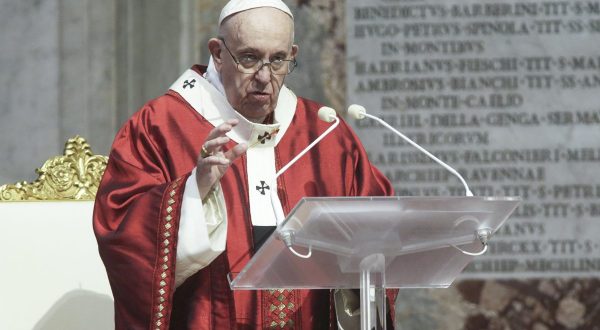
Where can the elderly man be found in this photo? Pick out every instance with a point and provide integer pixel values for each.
(186, 197)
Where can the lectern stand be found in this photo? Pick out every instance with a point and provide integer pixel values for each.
(374, 243)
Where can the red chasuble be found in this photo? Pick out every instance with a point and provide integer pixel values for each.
(136, 218)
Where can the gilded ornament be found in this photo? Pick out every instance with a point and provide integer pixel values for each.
(74, 176)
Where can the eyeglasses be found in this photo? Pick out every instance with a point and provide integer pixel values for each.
(249, 63)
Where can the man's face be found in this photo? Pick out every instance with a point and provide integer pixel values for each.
(264, 33)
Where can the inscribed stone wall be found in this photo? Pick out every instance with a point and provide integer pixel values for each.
(508, 93)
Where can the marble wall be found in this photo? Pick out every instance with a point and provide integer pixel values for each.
(83, 67)
(29, 61)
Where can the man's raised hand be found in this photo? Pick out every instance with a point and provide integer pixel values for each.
(213, 161)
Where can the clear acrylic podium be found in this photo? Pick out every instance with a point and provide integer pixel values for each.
(374, 243)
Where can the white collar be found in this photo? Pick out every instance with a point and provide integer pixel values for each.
(208, 101)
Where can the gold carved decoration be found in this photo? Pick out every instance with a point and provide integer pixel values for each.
(75, 176)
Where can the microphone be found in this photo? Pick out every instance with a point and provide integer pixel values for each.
(359, 112)
(328, 115)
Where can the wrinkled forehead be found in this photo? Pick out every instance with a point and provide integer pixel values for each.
(257, 26)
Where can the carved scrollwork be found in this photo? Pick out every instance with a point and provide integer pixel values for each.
(75, 175)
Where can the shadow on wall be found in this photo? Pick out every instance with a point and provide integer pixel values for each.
(79, 309)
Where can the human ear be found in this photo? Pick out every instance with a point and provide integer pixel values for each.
(214, 47)
(294, 52)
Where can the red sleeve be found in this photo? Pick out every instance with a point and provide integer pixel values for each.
(136, 217)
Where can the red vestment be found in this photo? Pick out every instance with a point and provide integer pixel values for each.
(136, 216)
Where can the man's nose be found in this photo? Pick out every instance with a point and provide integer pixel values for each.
(263, 75)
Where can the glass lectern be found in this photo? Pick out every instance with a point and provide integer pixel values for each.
(374, 243)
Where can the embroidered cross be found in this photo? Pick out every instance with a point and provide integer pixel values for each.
(189, 84)
(264, 137)
(263, 186)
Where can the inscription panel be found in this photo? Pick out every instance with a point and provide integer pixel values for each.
(508, 93)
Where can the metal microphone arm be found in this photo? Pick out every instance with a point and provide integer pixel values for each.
(359, 112)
